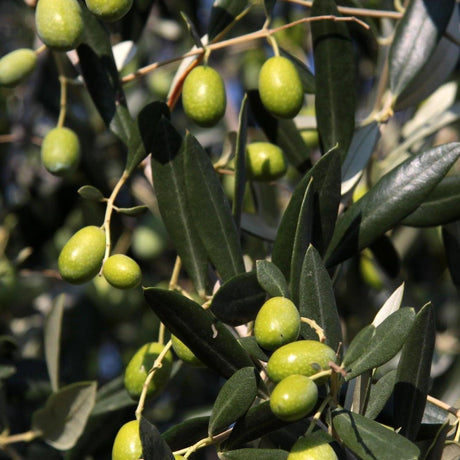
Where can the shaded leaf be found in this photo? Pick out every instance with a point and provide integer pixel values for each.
(192, 30)
(254, 225)
(186, 433)
(239, 299)
(451, 241)
(305, 74)
(209, 206)
(223, 13)
(380, 393)
(370, 440)
(395, 195)
(271, 279)
(209, 339)
(233, 400)
(133, 211)
(335, 79)
(153, 445)
(413, 378)
(254, 454)
(437, 445)
(385, 254)
(88, 192)
(113, 402)
(65, 414)
(252, 347)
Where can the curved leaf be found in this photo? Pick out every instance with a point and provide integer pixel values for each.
(88, 192)
(186, 433)
(271, 279)
(380, 393)
(223, 13)
(254, 454)
(233, 400)
(395, 196)
(209, 339)
(153, 445)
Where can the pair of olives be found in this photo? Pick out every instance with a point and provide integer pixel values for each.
(81, 259)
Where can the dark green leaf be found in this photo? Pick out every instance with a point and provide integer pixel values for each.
(425, 20)
(209, 339)
(65, 414)
(281, 132)
(335, 79)
(88, 192)
(52, 340)
(254, 225)
(385, 341)
(192, 30)
(307, 78)
(437, 445)
(233, 400)
(317, 300)
(223, 13)
(369, 440)
(359, 344)
(413, 379)
(168, 171)
(239, 299)
(252, 347)
(271, 279)
(451, 241)
(153, 445)
(395, 196)
(254, 454)
(186, 433)
(134, 211)
(113, 402)
(380, 393)
(386, 255)
(209, 206)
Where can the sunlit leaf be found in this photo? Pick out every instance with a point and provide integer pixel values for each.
(271, 279)
(380, 393)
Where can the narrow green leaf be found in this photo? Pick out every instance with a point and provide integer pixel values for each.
(209, 339)
(254, 454)
(359, 344)
(65, 414)
(153, 445)
(426, 20)
(437, 445)
(88, 192)
(271, 279)
(269, 5)
(252, 347)
(384, 342)
(168, 172)
(369, 440)
(113, 402)
(335, 79)
(380, 393)
(52, 340)
(192, 30)
(223, 13)
(254, 225)
(305, 74)
(209, 206)
(385, 255)
(413, 378)
(317, 300)
(186, 433)
(451, 241)
(239, 299)
(233, 400)
(133, 211)
(395, 196)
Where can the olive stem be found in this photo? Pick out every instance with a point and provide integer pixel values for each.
(156, 365)
(317, 415)
(321, 374)
(27, 436)
(40, 50)
(316, 327)
(63, 95)
(175, 274)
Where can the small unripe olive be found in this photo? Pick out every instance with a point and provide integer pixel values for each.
(294, 398)
(184, 353)
(109, 10)
(139, 366)
(81, 258)
(127, 444)
(16, 66)
(280, 87)
(122, 272)
(314, 446)
(59, 23)
(203, 96)
(265, 162)
(277, 323)
(60, 151)
(305, 357)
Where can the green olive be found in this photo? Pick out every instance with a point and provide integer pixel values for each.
(16, 66)
(305, 357)
(277, 323)
(184, 353)
(127, 444)
(122, 272)
(203, 96)
(294, 398)
(280, 87)
(81, 258)
(139, 366)
(59, 23)
(265, 162)
(109, 10)
(315, 446)
(60, 151)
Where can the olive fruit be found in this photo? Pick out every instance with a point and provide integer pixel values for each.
(265, 162)
(183, 352)
(277, 323)
(139, 366)
(203, 96)
(59, 23)
(314, 446)
(60, 151)
(305, 357)
(109, 10)
(127, 444)
(16, 66)
(122, 272)
(280, 87)
(294, 398)
(81, 257)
